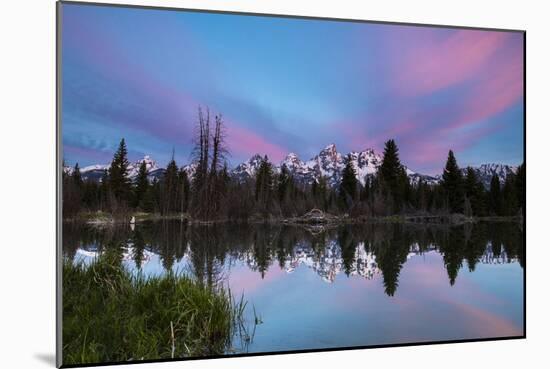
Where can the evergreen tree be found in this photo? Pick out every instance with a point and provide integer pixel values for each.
(184, 190)
(510, 205)
(323, 192)
(475, 192)
(283, 184)
(142, 185)
(348, 186)
(438, 200)
(91, 195)
(72, 193)
(403, 193)
(77, 176)
(390, 169)
(452, 184)
(366, 191)
(494, 196)
(286, 192)
(264, 185)
(169, 185)
(422, 196)
(520, 187)
(119, 184)
(468, 207)
(393, 179)
(150, 202)
(104, 190)
(314, 189)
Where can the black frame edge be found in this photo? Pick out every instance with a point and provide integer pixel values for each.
(291, 16)
(58, 197)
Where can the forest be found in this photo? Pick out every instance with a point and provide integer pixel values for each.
(212, 194)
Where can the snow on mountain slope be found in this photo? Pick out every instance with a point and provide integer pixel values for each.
(329, 164)
(150, 164)
(248, 169)
(95, 172)
(365, 163)
(485, 172)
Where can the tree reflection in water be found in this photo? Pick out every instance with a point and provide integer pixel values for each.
(355, 250)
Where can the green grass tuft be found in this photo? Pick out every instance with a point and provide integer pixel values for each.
(111, 315)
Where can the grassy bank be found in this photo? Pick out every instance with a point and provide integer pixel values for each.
(111, 315)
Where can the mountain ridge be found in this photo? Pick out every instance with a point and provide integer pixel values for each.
(329, 163)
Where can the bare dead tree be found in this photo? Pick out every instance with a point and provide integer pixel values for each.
(209, 154)
(205, 127)
(216, 185)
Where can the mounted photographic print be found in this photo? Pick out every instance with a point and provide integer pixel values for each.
(236, 184)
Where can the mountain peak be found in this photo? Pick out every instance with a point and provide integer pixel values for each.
(328, 164)
(149, 163)
(255, 157)
(248, 169)
(369, 150)
(330, 148)
(330, 153)
(292, 159)
(486, 171)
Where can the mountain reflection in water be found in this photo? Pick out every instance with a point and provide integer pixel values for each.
(209, 252)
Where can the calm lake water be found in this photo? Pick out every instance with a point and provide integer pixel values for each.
(345, 286)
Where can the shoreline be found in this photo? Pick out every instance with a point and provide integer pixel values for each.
(106, 219)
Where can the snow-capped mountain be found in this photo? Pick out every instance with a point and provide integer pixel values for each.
(96, 172)
(150, 164)
(248, 169)
(329, 163)
(190, 169)
(486, 171)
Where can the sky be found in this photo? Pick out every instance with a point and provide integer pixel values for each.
(287, 85)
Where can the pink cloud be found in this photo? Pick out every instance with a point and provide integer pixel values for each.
(439, 64)
(501, 87)
(245, 142)
(489, 69)
(436, 152)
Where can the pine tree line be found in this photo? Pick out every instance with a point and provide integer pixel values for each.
(211, 194)
(467, 195)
